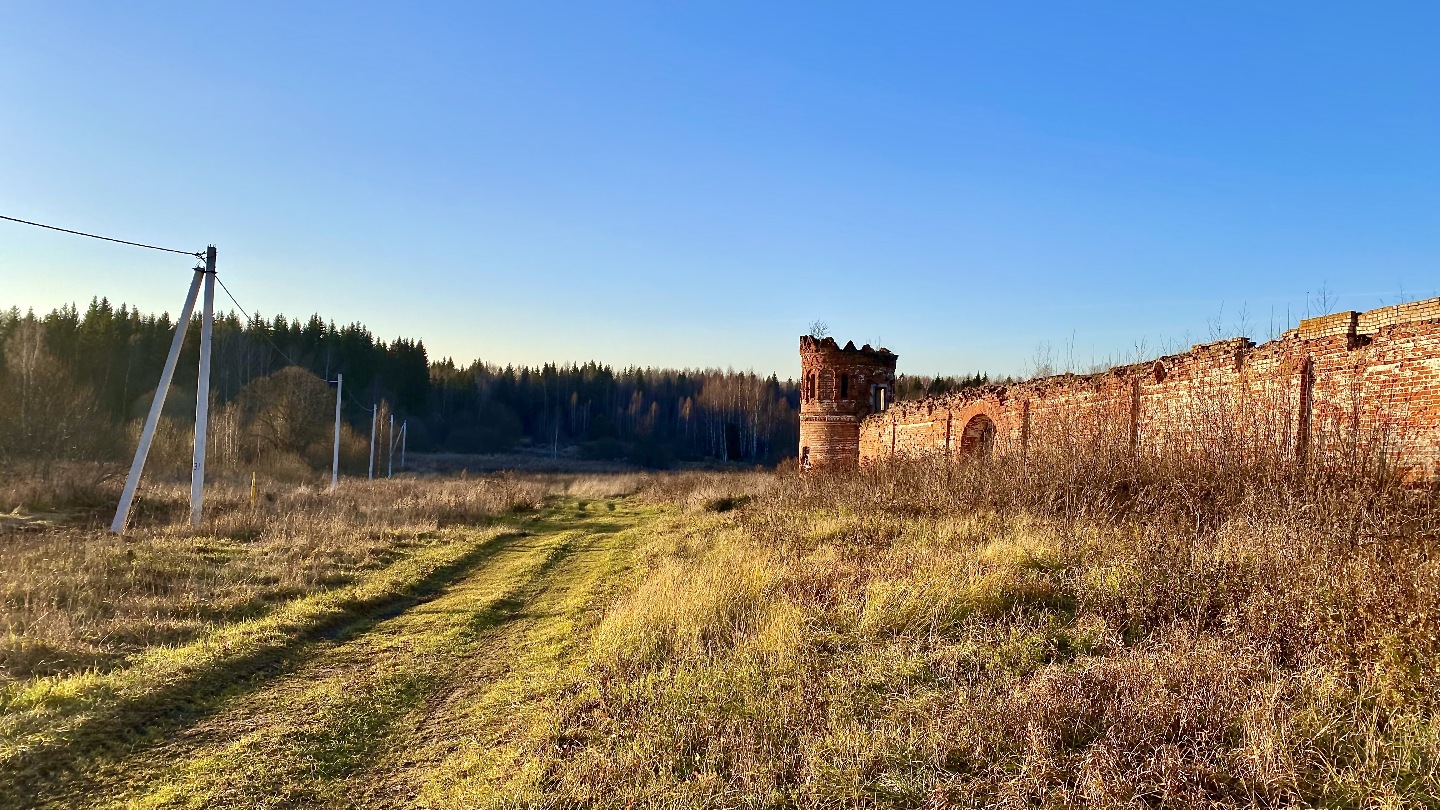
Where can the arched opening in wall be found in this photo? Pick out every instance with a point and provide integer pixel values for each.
(810, 387)
(978, 438)
(844, 386)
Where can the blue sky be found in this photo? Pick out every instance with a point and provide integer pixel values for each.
(688, 184)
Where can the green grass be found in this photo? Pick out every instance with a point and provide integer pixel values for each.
(465, 660)
(359, 694)
(805, 646)
(54, 721)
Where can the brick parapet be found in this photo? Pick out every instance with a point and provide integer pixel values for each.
(1367, 379)
(839, 387)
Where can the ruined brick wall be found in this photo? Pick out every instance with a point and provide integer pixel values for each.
(1348, 383)
(839, 387)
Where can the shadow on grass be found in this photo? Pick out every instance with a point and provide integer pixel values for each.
(509, 606)
(575, 522)
(60, 768)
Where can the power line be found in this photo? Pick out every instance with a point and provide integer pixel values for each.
(264, 330)
(259, 327)
(104, 238)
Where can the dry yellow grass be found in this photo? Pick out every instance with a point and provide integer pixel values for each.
(1104, 632)
(75, 597)
(1093, 630)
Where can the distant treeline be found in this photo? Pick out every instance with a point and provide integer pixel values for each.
(74, 381)
(70, 374)
(920, 386)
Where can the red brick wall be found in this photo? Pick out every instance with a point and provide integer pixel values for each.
(1340, 384)
(836, 392)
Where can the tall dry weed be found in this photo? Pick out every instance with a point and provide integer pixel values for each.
(1098, 627)
(73, 596)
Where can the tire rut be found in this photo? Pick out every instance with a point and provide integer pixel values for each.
(397, 679)
(460, 720)
(91, 751)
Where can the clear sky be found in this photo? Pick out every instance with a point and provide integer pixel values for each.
(688, 184)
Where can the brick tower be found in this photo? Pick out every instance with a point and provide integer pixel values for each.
(838, 388)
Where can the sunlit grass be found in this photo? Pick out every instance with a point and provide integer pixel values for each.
(968, 635)
(851, 640)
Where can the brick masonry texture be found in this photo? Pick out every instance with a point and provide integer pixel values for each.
(1347, 383)
(839, 387)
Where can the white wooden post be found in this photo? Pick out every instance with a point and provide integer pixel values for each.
(335, 461)
(374, 415)
(202, 393)
(132, 481)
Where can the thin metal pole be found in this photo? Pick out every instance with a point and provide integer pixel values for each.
(404, 433)
(390, 442)
(132, 481)
(335, 460)
(202, 392)
(374, 415)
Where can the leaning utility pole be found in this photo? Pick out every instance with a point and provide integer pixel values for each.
(147, 434)
(157, 404)
(335, 460)
(390, 443)
(202, 392)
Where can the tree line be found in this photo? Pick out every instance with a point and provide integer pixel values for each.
(919, 386)
(73, 383)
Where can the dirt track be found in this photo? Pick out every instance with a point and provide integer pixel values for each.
(386, 709)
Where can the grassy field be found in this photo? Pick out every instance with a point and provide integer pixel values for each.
(1083, 633)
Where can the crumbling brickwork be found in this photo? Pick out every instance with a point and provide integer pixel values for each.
(1349, 382)
(839, 387)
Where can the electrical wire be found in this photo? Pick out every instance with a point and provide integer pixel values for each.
(373, 406)
(104, 238)
(264, 329)
(259, 327)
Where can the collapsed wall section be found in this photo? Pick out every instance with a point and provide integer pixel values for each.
(1339, 387)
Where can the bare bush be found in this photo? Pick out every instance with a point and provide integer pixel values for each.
(45, 416)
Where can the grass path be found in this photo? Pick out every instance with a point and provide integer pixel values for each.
(387, 710)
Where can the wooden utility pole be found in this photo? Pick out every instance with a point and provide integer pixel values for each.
(335, 460)
(147, 434)
(157, 405)
(374, 416)
(202, 393)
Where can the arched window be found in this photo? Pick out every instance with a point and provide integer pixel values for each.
(810, 387)
(844, 386)
(879, 398)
